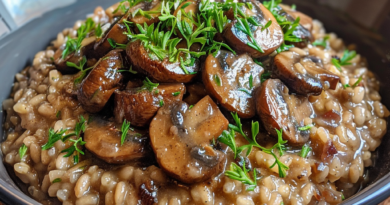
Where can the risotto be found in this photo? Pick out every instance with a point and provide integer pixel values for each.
(193, 102)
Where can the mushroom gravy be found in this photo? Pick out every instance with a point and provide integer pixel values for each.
(240, 113)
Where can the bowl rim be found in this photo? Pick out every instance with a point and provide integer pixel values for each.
(372, 194)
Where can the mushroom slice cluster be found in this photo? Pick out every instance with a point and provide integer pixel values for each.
(268, 39)
(139, 106)
(103, 138)
(181, 139)
(96, 89)
(303, 74)
(231, 79)
(280, 110)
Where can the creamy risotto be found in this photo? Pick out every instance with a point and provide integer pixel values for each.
(193, 102)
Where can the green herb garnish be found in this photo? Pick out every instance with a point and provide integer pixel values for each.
(73, 45)
(307, 127)
(305, 151)
(56, 180)
(323, 42)
(161, 102)
(22, 151)
(266, 75)
(124, 130)
(251, 81)
(345, 60)
(149, 85)
(228, 139)
(241, 174)
(217, 80)
(176, 93)
(355, 84)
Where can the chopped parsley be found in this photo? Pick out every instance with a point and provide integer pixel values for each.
(80, 67)
(161, 102)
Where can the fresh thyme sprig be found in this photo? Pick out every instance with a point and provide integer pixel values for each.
(80, 67)
(124, 130)
(241, 174)
(58, 135)
(73, 45)
(228, 138)
(345, 60)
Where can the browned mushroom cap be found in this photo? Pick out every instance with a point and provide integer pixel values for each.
(180, 138)
(103, 138)
(303, 74)
(269, 39)
(97, 88)
(279, 110)
(162, 71)
(76, 57)
(140, 106)
(230, 79)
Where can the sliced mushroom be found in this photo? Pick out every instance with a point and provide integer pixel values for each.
(279, 110)
(303, 74)
(75, 57)
(103, 138)
(96, 89)
(180, 137)
(230, 79)
(268, 39)
(162, 71)
(140, 106)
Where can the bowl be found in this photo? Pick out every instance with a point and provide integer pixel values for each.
(18, 49)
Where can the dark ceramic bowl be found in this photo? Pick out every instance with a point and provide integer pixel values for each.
(18, 49)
